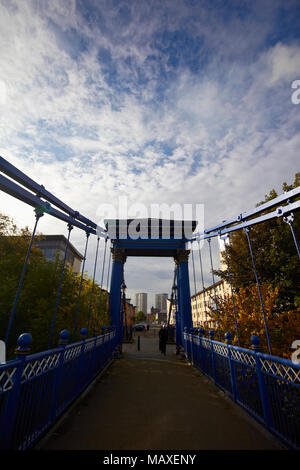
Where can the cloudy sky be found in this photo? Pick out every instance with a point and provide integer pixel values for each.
(174, 101)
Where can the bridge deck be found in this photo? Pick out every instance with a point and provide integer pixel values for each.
(147, 401)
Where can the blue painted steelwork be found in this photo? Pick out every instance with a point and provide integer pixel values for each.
(289, 220)
(283, 211)
(23, 195)
(288, 196)
(124, 245)
(115, 293)
(36, 389)
(30, 184)
(268, 387)
(184, 293)
(80, 286)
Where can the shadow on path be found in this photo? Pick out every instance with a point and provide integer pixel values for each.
(147, 401)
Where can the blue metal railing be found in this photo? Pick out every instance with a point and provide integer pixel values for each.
(36, 389)
(268, 387)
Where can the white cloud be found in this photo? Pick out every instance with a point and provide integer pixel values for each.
(66, 126)
(285, 62)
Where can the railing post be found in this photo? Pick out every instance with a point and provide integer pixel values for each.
(261, 383)
(185, 334)
(212, 335)
(94, 358)
(22, 350)
(63, 341)
(83, 334)
(192, 332)
(228, 339)
(103, 361)
(201, 362)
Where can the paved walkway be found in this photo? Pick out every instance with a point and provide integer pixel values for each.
(146, 401)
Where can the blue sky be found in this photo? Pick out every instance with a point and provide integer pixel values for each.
(160, 101)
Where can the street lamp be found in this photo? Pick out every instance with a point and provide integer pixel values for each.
(123, 288)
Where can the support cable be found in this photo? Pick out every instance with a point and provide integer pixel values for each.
(214, 284)
(70, 227)
(203, 288)
(231, 288)
(80, 286)
(38, 215)
(195, 287)
(101, 284)
(246, 230)
(92, 290)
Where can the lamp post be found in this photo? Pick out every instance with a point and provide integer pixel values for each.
(123, 288)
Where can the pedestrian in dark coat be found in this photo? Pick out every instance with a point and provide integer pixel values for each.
(163, 337)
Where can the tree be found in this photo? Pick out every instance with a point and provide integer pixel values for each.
(275, 256)
(283, 328)
(140, 316)
(278, 270)
(37, 299)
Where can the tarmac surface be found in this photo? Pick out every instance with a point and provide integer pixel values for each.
(148, 401)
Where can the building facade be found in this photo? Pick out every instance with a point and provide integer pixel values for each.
(172, 313)
(141, 302)
(161, 302)
(203, 300)
(130, 313)
(52, 245)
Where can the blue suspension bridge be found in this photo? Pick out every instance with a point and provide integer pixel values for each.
(36, 390)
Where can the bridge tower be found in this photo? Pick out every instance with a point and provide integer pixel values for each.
(151, 237)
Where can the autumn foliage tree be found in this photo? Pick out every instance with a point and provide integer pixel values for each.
(38, 294)
(278, 268)
(283, 327)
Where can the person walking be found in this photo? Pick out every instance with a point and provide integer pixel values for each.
(163, 337)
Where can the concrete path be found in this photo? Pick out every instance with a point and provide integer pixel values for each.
(146, 401)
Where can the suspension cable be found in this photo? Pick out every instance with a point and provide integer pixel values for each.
(70, 227)
(101, 284)
(231, 288)
(246, 230)
(195, 287)
(203, 288)
(92, 290)
(80, 286)
(38, 214)
(213, 278)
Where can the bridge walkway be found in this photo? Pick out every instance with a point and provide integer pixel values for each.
(147, 401)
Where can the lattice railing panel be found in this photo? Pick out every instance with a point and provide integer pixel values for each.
(283, 371)
(7, 379)
(40, 366)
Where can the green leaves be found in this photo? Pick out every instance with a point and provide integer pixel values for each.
(38, 294)
(275, 256)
